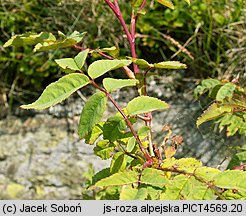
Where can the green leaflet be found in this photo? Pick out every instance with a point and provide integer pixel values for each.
(92, 113)
(174, 188)
(144, 104)
(188, 2)
(131, 144)
(214, 111)
(153, 177)
(142, 63)
(153, 192)
(58, 91)
(71, 40)
(136, 3)
(225, 91)
(161, 65)
(129, 193)
(195, 190)
(207, 173)
(114, 128)
(188, 164)
(231, 179)
(238, 101)
(206, 85)
(104, 149)
(44, 40)
(100, 175)
(29, 39)
(113, 51)
(170, 65)
(100, 67)
(237, 159)
(234, 195)
(73, 64)
(111, 84)
(210, 83)
(233, 123)
(186, 188)
(142, 133)
(119, 179)
(118, 163)
(93, 135)
(167, 3)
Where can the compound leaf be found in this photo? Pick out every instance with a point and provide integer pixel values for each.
(100, 67)
(144, 104)
(111, 84)
(92, 113)
(58, 91)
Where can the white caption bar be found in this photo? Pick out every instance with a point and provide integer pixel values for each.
(120, 208)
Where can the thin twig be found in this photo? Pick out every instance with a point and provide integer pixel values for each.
(130, 36)
(146, 154)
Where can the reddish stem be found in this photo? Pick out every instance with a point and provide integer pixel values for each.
(130, 36)
(146, 154)
(133, 43)
(110, 4)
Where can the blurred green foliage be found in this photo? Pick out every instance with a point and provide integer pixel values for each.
(213, 32)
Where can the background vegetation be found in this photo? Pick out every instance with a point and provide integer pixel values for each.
(209, 36)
